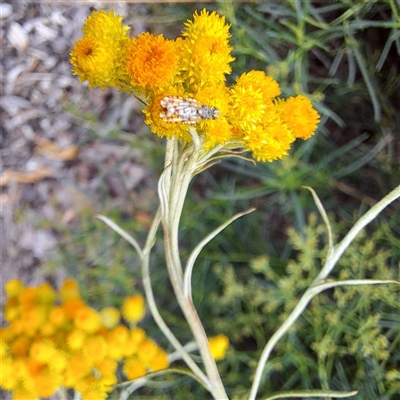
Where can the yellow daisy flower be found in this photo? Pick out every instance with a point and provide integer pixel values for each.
(152, 62)
(300, 116)
(133, 368)
(206, 61)
(206, 53)
(218, 346)
(160, 127)
(133, 309)
(206, 24)
(13, 288)
(105, 26)
(216, 131)
(94, 60)
(270, 140)
(69, 290)
(251, 99)
(99, 57)
(88, 320)
(110, 317)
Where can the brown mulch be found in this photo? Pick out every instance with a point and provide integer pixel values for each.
(54, 157)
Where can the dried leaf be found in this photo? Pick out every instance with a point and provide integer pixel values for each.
(53, 151)
(25, 176)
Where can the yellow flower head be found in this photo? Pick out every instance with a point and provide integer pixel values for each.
(152, 62)
(13, 288)
(41, 381)
(88, 320)
(107, 368)
(77, 367)
(269, 140)
(152, 355)
(206, 53)
(160, 127)
(251, 99)
(206, 61)
(133, 368)
(42, 350)
(117, 340)
(216, 131)
(160, 360)
(300, 116)
(45, 294)
(12, 309)
(75, 339)
(218, 346)
(69, 290)
(20, 346)
(206, 24)
(99, 57)
(33, 319)
(105, 26)
(95, 348)
(109, 317)
(95, 61)
(133, 309)
(58, 316)
(136, 337)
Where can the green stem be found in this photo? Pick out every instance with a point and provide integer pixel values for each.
(174, 194)
(153, 306)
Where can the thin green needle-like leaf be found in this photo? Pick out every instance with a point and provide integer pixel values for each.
(364, 72)
(140, 382)
(303, 394)
(187, 287)
(355, 230)
(324, 216)
(329, 285)
(116, 228)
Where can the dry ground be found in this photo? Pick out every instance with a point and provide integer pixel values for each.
(53, 160)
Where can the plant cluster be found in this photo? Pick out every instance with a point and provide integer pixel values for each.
(194, 66)
(55, 339)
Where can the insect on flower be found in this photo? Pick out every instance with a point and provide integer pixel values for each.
(186, 110)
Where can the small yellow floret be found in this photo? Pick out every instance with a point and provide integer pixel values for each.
(110, 317)
(95, 348)
(300, 116)
(75, 339)
(133, 368)
(107, 26)
(218, 346)
(69, 290)
(160, 360)
(42, 351)
(133, 308)
(88, 320)
(13, 288)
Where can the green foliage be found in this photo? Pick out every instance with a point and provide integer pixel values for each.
(346, 339)
(345, 55)
(104, 265)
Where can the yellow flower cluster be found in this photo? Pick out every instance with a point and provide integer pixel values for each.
(56, 340)
(194, 66)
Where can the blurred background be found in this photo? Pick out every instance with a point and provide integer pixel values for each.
(69, 153)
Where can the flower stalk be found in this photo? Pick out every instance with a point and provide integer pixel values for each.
(173, 187)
